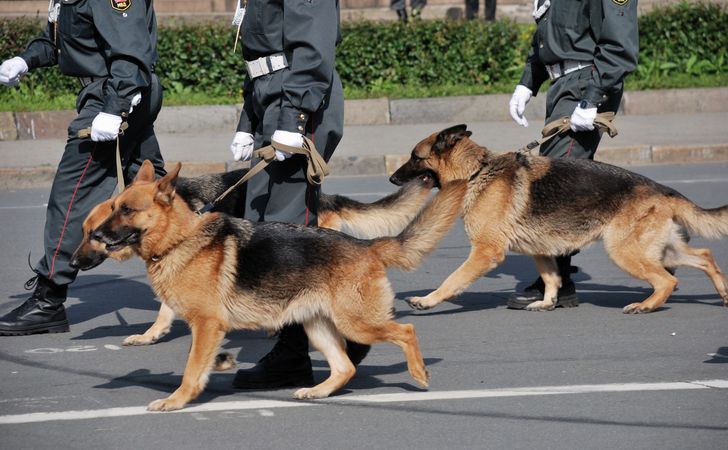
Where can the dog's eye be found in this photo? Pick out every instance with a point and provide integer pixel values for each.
(125, 209)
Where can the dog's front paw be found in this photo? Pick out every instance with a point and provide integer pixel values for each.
(422, 376)
(311, 392)
(636, 308)
(420, 303)
(140, 339)
(540, 306)
(165, 404)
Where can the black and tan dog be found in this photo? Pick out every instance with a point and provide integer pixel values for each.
(545, 208)
(384, 217)
(220, 273)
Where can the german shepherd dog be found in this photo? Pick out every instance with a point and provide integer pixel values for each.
(384, 217)
(220, 273)
(518, 202)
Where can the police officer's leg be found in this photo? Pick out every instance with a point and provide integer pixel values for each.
(328, 129)
(490, 6)
(85, 177)
(278, 193)
(471, 9)
(401, 8)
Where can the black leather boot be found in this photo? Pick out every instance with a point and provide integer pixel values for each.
(565, 297)
(287, 364)
(43, 312)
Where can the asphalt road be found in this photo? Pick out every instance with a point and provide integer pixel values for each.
(582, 378)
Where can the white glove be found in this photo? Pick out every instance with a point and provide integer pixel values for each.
(242, 146)
(105, 127)
(135, 101)
(11, 70)
(582, 119)
(517, 105)
(286, 138)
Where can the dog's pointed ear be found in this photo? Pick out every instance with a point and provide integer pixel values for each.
(447, 138)
(146, 172)
(166, 186)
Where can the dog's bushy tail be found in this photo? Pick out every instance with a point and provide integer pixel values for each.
(385, 217)
(708, 223)
(421, 236)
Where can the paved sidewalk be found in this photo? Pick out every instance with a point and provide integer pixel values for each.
(378, 149)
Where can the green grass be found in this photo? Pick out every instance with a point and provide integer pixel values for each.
(22, 100)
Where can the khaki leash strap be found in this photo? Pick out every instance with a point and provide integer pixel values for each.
(86, 132)
(604, 122)
(316, 168)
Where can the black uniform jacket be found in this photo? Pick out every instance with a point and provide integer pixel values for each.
(112, 39)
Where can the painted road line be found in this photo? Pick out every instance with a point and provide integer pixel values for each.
(375, 398)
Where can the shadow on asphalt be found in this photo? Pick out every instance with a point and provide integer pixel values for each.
(220, 383)
(602, 295)
(719, 357)
(104, 294)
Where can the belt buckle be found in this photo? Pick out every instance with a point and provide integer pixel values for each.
(277, 62)
(257, 67)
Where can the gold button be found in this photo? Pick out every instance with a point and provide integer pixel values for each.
(302, 116)
(300, 128)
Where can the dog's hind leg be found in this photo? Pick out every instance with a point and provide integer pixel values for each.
(325, 338)
(159, 328)
(402, 335)
(640, 255)
(546, 266)
(700, 258)
(482, 259)
(206, 338)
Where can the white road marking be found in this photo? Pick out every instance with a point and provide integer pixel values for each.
(23, 207)
(689, 181)
(266, 405)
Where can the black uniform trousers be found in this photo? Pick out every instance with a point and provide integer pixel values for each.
(562, 97)
(472, 7)
(86, 174)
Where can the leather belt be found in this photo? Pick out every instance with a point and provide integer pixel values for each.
(266, 64)
(560, 69)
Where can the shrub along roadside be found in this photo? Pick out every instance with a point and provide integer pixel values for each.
(680, 46)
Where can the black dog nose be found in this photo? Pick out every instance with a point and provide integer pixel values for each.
(395, 180)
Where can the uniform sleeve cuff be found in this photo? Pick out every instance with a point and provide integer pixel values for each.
(293, 120)
(595, 96)
(116, 105)
(29, 60)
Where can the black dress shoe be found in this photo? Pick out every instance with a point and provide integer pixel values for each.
(43, 312)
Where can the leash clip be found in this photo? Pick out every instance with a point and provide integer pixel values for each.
(207, 208)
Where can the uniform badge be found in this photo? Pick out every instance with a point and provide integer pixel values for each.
(123, 5)
(621, 2)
